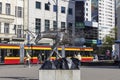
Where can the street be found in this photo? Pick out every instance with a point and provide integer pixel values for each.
(19, 72)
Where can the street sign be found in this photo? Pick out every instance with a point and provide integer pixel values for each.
(99, 42)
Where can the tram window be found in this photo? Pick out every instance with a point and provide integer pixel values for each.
(35, 53)
(67, 53)
(9, 52)
(81, 53)
(70, 53)
(85, 53)
(12, 53)
(54, 54)
(60, 52)
(46, 53)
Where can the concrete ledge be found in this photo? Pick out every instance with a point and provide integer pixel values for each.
(99, 63)
(59, 75)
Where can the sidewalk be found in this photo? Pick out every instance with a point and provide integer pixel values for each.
(18, 66)
(99, 63)
(18, 72)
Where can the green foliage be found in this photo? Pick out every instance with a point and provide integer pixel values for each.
(108, 40)
(107, 44)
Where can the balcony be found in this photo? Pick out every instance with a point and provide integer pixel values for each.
(6, 18)
(8, 36)
(11, 37)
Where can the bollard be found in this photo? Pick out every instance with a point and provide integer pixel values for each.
(59, 75)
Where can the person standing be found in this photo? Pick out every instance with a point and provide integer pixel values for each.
(39, 59)
(28, 58)
(108, 54)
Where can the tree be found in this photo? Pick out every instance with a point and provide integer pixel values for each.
(108, 41)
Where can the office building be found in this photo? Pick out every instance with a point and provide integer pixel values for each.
(88, 20)
(41, 16)
(100, 14)
(106, 18)
(117, 3)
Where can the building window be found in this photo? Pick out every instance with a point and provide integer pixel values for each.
(54, 8)
(62, 25)
(70, 11)
(86, 4)
(7, 8)
(70, 25)
(47, 7)
(18, 11)
(38, 5)
(54, 25)
(6, 28)
(86, 9)
(47, 25)
(86, 19)
(15, 29)
(86, 14)
(62, 9)
(37, 26)
(19, 31)
(69, 28)
(0, 8)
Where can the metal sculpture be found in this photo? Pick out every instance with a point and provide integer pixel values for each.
(60, 37)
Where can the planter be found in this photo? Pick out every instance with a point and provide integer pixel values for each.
(59, 74)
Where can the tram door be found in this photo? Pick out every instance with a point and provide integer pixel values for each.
(3, 53)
